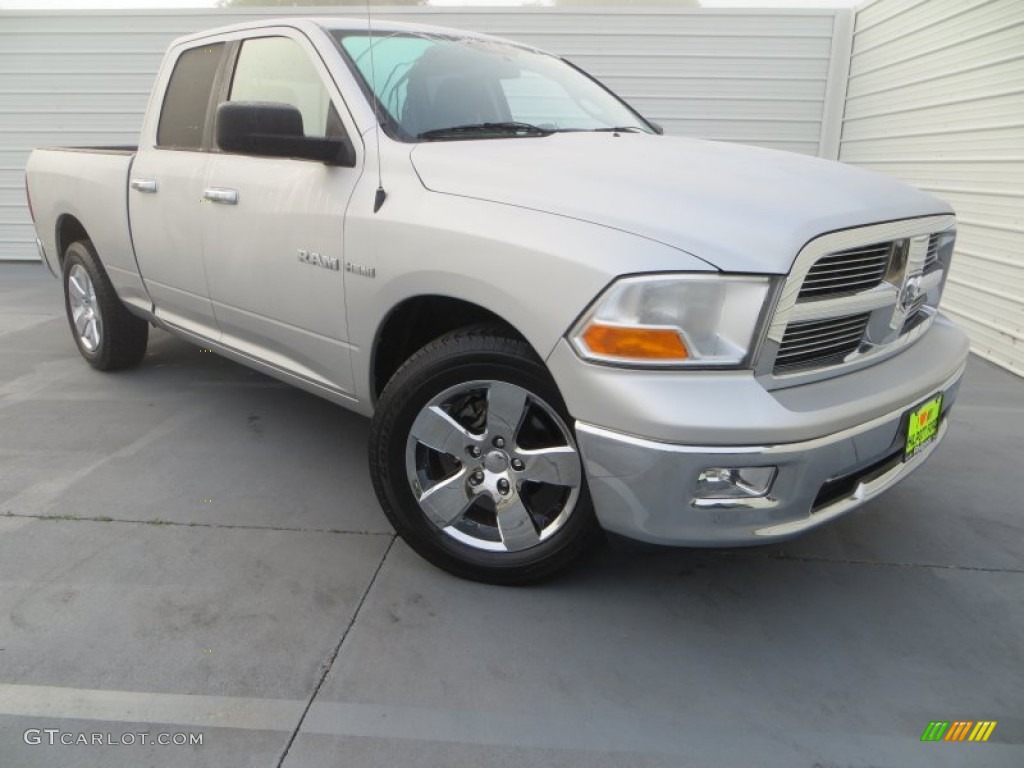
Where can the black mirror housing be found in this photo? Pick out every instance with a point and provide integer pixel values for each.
(270, 129)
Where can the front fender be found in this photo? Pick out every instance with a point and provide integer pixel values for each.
(536, 271)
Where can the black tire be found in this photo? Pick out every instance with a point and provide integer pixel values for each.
(120, 337)
(495, 362)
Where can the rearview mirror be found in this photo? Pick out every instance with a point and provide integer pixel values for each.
(270, 129)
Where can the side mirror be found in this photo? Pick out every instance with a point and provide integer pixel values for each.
(270, 129)
(658, 129)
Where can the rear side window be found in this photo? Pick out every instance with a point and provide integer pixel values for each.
(187, 100)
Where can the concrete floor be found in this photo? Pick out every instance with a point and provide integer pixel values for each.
(193, 548)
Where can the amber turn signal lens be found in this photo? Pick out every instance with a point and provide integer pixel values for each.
(635, 343)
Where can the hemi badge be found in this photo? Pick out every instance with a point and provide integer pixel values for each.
(359, 269)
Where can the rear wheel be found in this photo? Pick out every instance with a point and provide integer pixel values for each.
(108, 335)
(475, 463)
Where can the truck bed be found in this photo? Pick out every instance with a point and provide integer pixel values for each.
(86, 188)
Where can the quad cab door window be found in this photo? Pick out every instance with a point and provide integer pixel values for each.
(166, 189)
(275, 230)
(276, 69)
(187, 99)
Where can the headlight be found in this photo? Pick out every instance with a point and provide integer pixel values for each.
(674, 320)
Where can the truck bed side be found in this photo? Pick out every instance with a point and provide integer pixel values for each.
(75, 189)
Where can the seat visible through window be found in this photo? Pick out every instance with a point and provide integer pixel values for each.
(463, 101)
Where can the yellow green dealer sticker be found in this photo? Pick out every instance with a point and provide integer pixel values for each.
(923, 425)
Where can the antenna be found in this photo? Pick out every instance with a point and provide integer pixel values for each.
(378, 199)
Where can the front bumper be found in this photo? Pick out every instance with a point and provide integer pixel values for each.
(646, 489)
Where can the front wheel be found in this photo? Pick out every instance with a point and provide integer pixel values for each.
(475, 464)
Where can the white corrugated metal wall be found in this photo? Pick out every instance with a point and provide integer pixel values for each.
(936, 97)
(772, 78)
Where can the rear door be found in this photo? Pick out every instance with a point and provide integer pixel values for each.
(166, 184)
(274, 233)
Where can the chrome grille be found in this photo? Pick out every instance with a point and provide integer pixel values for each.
(854, 297)
(849, 271)
(817, 343)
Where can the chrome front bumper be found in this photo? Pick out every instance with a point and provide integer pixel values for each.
(646, 489)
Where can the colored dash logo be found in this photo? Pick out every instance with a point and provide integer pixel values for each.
(958, 730)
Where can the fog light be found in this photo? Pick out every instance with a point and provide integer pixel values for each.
(735, 482)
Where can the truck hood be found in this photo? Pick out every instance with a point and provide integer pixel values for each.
(739, 208)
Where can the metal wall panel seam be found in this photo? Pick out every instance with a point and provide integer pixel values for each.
(963, 8)
(1016, 334)
(952, 45)
(895, 86)
(984, 289)
(938, 132)
(836, 86)
(869, 7)
(935, 104)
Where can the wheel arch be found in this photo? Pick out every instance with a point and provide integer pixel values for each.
(418, 320)
(68, 230)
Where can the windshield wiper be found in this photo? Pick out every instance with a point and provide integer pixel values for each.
(618, 129)
(500, 129)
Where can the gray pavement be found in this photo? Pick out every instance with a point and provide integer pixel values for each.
(192, 548)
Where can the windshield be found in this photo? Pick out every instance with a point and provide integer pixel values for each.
(428, 84)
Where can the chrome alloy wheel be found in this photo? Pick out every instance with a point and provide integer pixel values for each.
(85, 312)
(493, 466)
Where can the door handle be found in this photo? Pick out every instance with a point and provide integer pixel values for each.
(143, 185)
(221, 195)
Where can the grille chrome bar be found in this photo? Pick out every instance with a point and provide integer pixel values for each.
(823, 335)
(865, 265)
(850, 339)
(809, 334)
(932, 254)
(871, 250)
(836, 286)
(811, 326)
(866, 301)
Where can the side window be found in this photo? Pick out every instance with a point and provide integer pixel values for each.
(187, 99)
(277, 69)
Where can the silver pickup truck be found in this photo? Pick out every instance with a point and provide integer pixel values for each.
(559, 320)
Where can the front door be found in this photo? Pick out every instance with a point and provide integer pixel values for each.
(273, 227)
